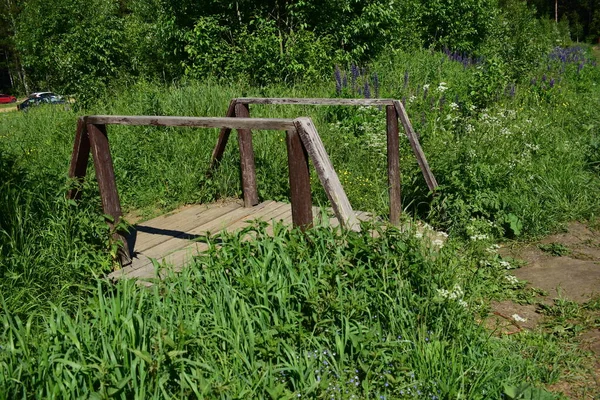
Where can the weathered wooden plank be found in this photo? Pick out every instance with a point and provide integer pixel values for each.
(299, 177)
(215, 225)
(327, 175)
(154, 232)
(79, 158)
(181, 251)
(316, 101)
(219, 149)
(247, 167)
(105, 175)
(178, 257)
(393, 164)
(178, 252)
(194, 122)
(265, 214)
(416, 146)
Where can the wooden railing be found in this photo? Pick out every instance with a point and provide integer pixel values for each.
(394, 111)
(302, 139)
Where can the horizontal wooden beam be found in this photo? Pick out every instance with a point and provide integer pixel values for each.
(195, 122)
(316, 102)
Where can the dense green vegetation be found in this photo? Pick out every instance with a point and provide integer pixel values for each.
(84, 47)
(506, 109)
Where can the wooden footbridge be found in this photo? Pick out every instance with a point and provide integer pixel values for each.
(170, 238)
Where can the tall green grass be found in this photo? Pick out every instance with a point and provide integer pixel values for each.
(264, 318)
(323, 315)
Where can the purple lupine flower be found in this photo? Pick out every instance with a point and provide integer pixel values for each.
(580, 67)
(345, 81)
(367, 90)
(512, 90)
(338, 80)
(355, 73)
(544, 78)
(405, 79)
(376, 84)
(551, 83)
(533, 81)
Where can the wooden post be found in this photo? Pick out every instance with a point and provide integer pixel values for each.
(105, 175)
(302, 215)
(327, 175)
(217, 154)
(79, 158)
(416, 146)
(248, 168)
(393, 160)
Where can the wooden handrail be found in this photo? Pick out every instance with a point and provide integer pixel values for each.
(303, 141)
(394, 112)
(278, 124)
(315, 101)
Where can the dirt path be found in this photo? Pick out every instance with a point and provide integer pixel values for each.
(565, 269)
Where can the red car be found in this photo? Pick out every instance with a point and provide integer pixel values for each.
(5, 98)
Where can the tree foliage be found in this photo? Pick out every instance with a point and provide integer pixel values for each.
(82, 47)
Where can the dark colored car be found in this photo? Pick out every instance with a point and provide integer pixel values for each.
(37, 99)
(6, 98)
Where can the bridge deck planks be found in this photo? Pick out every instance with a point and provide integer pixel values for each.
(169, 239)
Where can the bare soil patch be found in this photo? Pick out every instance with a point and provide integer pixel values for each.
(566, 267)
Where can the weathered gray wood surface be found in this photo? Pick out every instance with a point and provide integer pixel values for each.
(316, 102)
(195, 122)
(169, 239)
(327, 175)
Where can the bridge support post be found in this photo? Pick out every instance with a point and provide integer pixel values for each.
(79, 158)
(393, 162)
(105, 175)
(299, 174)
(248, 169)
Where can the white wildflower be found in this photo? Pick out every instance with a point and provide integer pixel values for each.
(532, 147)
(454, 106)
(512, 279)
(419, 235)
(442, 87)
(469, 128)
(426, 86)
(463, 303)
(505, 132)
(457, 293)
(412, 99)
(518, 318)
(493, 249)
(479, 237)
(505, 264)
(439, 243)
